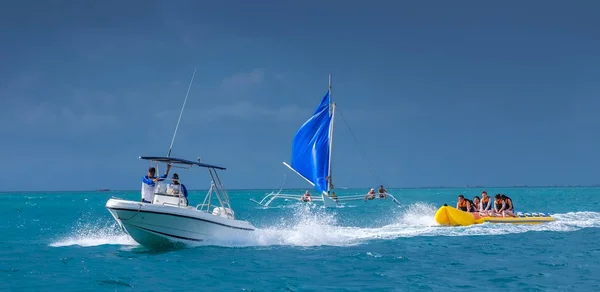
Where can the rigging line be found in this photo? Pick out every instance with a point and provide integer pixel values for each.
(373, 172)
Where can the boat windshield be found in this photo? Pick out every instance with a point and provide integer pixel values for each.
(166, 187)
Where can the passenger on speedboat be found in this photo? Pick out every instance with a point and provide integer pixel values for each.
(463, 204)
(306, 197)
(382, 192)
(177, 188)
(149, 182)
(370, 195)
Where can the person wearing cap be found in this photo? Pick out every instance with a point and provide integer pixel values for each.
(149, 182)
(177, 188)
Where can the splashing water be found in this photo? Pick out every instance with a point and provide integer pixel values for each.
(308, 226)
(90, 234)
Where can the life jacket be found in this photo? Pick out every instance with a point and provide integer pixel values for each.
(475, 207)
(512, 205)
(484, 203)
(463, 206)
(498, 205)
(472, 205)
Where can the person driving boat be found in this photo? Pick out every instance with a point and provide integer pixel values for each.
(306, 197)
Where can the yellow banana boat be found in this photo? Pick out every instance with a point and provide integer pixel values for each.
(447, 215)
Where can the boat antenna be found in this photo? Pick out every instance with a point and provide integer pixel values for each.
(181, 113)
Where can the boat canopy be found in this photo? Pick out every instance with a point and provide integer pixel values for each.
(172, 160)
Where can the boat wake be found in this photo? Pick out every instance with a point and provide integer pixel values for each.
(309, 227)
(322, 229)
(87, 234)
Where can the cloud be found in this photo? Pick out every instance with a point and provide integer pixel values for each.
(249, 111)
(80, 110)
(243, 110)
(280, 76)
(243, 81)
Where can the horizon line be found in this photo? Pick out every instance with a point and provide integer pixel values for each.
(345, 188)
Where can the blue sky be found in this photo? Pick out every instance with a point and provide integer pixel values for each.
(438, 92)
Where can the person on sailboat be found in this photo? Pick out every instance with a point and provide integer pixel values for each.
(382, 192)
(177, 188)
(370, 195)
(334, 196)
(149, 182)
(306, 197)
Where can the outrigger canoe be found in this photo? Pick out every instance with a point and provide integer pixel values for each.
(447, 215)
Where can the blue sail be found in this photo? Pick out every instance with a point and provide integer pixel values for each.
(310, 147)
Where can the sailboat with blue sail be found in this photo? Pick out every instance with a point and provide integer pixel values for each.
(311, 156)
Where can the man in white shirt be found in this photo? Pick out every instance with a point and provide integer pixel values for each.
(149, 182)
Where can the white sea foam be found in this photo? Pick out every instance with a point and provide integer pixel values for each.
(323, 229)
(88, 234)
(309, 226)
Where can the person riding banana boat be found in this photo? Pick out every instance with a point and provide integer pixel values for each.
(503, 206)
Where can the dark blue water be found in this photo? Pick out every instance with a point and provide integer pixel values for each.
(69, 242)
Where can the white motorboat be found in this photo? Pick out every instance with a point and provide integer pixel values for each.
(169, 220)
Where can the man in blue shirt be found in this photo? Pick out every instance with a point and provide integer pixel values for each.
(149, 182)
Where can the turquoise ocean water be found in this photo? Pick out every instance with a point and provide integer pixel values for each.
(67, 241)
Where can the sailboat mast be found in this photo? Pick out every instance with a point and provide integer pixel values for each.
(332, 111)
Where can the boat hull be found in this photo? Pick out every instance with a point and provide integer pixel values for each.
(451, 216)
(157, 226)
